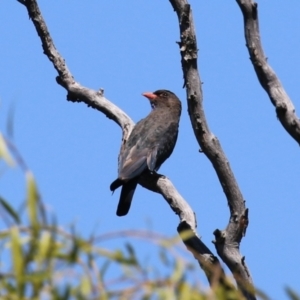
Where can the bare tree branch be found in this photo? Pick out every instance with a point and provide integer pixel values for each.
(76, 92)
(285, 109)
(187, 228)
(153, 182)
(227, 241)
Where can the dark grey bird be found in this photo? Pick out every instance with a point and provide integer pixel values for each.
(150, 143)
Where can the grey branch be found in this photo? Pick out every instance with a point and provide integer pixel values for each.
(285, 109)
(75, 91)
(187, 228)
(155, 182)
(227, 241)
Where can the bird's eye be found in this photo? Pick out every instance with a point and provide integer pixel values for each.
(164, 94)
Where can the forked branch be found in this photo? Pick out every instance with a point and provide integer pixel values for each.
(227, 241)
(156, 183)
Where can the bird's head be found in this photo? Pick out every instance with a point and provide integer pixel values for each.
(163, 98)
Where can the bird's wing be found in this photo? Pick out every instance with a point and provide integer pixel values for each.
(137, 161)
(133, 164)
(151, 159)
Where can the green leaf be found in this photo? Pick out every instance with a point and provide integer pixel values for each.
(75, 251)
(32, 200)
(37, 277)
(167, 294)
(131, 253)
(104, 268)
(9, 210)
(178, 271)
(163, 255)
(4, 153)
(292, 294)
(4, 234)
(44, 246)
(85, 286)
(17, 259)
(59, 293)
(119, 257)
(184, 291)
(130, 249)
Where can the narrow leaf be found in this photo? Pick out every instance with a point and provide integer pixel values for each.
(32, 200)
(104, 268)
(292, 294)
(17, 259)
(4, 153)
(178, 271)
(44, 246)
(9, 210)
(85, 286)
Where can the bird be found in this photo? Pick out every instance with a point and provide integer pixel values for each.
(150, 143)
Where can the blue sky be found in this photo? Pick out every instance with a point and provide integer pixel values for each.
(128, 47)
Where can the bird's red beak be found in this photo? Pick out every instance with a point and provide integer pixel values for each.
(150, 96)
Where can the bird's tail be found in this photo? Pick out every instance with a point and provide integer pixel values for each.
(115, 184)
(126, 197)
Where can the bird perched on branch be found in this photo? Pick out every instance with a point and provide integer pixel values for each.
(150, 143)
